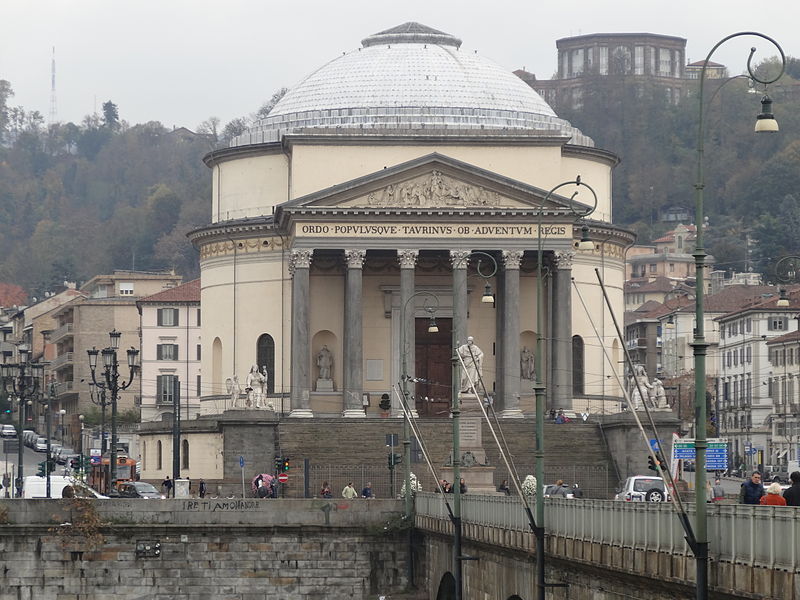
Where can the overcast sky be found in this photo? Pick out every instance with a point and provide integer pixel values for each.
(181, 61)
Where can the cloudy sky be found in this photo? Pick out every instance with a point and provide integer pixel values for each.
(181, 61)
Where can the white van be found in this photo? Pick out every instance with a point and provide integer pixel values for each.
(34, 486)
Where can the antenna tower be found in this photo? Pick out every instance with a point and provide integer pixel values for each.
(53, 105)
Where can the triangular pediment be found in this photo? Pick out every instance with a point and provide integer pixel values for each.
(432, 182)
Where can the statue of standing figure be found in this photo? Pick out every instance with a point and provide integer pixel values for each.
(253, 387)
(472, 356)
(325, 362)
(234, 389)
(658, 396)
(527, 365)
(639, 377)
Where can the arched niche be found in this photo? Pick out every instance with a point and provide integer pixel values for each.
(327, 338)
(447, 587)
(527, 339)
(265, 357)
(217, 385)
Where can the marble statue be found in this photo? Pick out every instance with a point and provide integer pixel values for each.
(638, 384)
(472, 357)
(325, 362)
(658, 397)
(527, 364)
(252, 388)
(234, 389)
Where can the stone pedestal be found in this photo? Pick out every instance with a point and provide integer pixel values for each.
(478, 476)
(324, 385)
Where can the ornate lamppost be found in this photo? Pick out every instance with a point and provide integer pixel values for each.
(765, 122)
(22, 380)
(539, 386)
(113, 384)
(99, 398)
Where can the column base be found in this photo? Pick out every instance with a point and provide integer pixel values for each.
(353, 413)
(511, 413)
(301, 413)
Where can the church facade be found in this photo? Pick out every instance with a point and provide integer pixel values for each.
(402, 182)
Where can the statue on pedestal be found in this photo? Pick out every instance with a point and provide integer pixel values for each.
(472, 356)
(527, 365)
(638, 381)
(325, 366)
(234, 389)
(658, 397)
(253, 387)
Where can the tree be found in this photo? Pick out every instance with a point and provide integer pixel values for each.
(270, 104)
(5, 93)
(234, 128)
(110, 116)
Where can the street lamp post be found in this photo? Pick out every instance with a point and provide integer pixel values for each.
(765, 123)
(99, 398)
(22, 380)
(81, 465)
(539, 385)
(404, 379)
(113, 384)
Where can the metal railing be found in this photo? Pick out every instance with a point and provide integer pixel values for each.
(57, 334)
(61, 360)
(762, 536)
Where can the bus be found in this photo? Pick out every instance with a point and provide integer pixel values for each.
(98, 475)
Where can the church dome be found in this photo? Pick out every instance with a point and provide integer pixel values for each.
(410, 77)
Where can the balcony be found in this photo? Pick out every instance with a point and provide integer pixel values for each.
(62, 360)
(65, 388)
(60, 333)
(636, 343)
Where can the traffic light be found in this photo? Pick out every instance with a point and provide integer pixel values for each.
(394, 459)
(652, 465)
(385, 403)
(278, 463)
(42, 469)
(285, 464)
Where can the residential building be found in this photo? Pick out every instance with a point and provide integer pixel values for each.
(745, 394)
(784, 387)
(105, 303)
(643, 336)
(170, 352)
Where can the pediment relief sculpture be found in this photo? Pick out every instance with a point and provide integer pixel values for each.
(435, 190)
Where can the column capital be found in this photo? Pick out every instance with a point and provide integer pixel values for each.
(355, 258)
(300, 259)
(563, 259)
(512, 258)
(459, 258)
(407, 258)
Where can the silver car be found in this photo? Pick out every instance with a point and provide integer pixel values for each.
(642, 488)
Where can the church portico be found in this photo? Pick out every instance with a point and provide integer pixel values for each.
(354, 226)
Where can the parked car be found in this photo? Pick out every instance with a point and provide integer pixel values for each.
(642, 488)
(138, 489)
(8, 431)
(65, 455)
(29, 437)
(40, 445)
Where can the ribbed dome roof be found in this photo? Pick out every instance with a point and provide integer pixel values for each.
(410, 77)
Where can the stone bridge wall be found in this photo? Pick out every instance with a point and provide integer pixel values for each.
(216, 549)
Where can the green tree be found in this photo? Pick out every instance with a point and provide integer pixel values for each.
(110, 116)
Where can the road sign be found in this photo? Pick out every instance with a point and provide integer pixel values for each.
(94, 456)
(750, 451)
(10, 446)
(655, 445)
(283, 478)
(241, 462)
(716, 452)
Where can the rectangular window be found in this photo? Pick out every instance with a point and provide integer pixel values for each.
(653, 268)
(749, 355)
(671, 267)
(603, 60)
(167, 317)
(664, 61)
(165, 388)
(735, 358)
(198, 317)
(198, 386)
(638, 60)
(167, 352)
(749, 325)
(577, 62)
(126, 289)
(198, 351)
(741, 355)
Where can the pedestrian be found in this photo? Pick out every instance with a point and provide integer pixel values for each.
(577, 492)
(462, 486)
(503, 488)
(751, 490)
(349, 491)
(325, 490)
(792, 495)
(166, 485)
(202, 488)
(367, 491)
(560, 490)
(717, 491)
(263, 490)
(773, 496)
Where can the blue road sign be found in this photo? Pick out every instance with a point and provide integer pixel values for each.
(241, 462)
(655, 445)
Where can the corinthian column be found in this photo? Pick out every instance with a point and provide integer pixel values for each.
(408, 260)
(562, 330)
(299, 266)
(353, 335)
(510, 339)
(459, 260)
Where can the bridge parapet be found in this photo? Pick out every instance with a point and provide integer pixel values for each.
(752, 549)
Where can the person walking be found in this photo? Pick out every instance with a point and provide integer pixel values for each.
(202, 488)
(462, 486)
(751, 490)
(792, 495)
(717, 491)
(325, 490)
(773, 496)
(166, 485)
(349, 491)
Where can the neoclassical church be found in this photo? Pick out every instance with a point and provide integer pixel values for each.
(405, 180)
